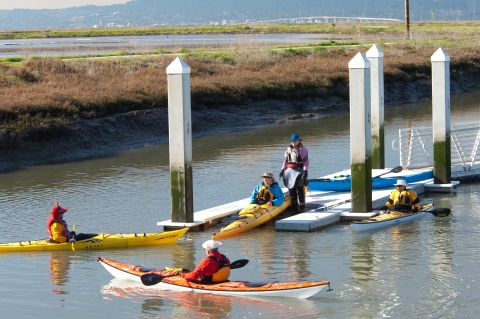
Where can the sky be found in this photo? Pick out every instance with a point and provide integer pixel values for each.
(53, 4)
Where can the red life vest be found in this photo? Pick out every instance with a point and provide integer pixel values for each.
(65, 232)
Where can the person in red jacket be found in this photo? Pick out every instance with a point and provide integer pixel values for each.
(214, 268)
(58, 229)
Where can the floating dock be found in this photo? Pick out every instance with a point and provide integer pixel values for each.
(324, 208)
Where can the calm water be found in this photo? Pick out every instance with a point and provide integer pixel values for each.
(41, 47)
(427, 269)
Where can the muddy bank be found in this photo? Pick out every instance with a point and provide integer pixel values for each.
(137, 129)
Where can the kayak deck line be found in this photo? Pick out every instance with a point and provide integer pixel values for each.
(324, 208)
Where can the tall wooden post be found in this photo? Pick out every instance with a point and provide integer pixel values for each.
(180, 141)
(442, 161)
(360, 134)
(407, 20)
(375, 56)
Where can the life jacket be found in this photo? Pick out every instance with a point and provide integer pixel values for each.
(222, 273)
(51, 220)
(403, 200)
(264, 195)
(293, 156)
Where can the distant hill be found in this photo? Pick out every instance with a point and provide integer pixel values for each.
(175, 12)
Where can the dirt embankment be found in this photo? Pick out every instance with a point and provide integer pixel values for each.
(101, 136)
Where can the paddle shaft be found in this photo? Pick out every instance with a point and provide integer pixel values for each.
(153, 279)
(437, 212)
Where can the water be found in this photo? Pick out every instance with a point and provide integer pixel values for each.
(426, 269)
(56, 46)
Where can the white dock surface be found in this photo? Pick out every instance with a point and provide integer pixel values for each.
(329, 207)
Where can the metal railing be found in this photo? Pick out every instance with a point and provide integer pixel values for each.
(416, 148)
(321, 19)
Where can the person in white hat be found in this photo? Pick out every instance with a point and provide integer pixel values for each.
(214, 268)
(267, 192)
(403, 199)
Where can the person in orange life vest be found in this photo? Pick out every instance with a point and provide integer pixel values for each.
(214, 268)
(268, 192)
(58, 229)
(403, 199)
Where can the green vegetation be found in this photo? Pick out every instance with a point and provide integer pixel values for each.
(41, 96)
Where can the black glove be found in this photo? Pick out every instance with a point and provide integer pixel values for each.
(415, 210)
(384, 207)
(305, 175)
(281, 174)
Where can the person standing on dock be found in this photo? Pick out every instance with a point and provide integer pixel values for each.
(403, 199)
(295, 172)
(267, 192)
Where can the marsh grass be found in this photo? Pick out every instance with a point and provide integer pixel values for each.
(40, 96)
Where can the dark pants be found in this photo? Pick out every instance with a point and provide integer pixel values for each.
(82, 236)
(297, 195)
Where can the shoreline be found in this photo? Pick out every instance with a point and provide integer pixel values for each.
(137, 129)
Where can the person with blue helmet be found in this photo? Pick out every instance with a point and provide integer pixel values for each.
(295, 172)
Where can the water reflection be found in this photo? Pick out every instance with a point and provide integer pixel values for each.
(297, 258)
(198, 305)
(59, 266)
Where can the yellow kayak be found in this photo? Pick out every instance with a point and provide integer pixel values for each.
(252, 216)
(101, 241)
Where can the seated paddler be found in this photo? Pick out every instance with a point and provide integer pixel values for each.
(403, 199)
(214, 268)
(58, 229)
(267, 192)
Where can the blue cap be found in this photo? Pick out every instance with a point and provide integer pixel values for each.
(295, 137)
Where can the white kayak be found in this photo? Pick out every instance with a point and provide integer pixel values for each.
(387, 219)
(230, 288)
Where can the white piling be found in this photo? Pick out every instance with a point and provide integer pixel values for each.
(180, 141)
(360, 134)
(375, 56)
(442, 163)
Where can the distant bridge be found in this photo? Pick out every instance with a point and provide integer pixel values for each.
(323, 19)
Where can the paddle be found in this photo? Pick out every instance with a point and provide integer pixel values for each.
(73, 243)
(153, 279)
(397, 169)
(437, 212)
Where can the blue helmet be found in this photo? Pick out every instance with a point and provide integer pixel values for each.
(295, 137)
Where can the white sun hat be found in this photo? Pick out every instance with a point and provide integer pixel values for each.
(211, 244)
(401, 182)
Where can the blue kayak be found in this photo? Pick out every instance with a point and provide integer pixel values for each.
(344, 182)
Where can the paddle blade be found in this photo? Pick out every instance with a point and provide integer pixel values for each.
(441, 212)
(238, 263)
(397, 169)
(151, 279)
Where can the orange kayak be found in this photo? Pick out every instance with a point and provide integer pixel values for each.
(171, 281)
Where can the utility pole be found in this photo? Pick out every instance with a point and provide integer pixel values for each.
(407, 21)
